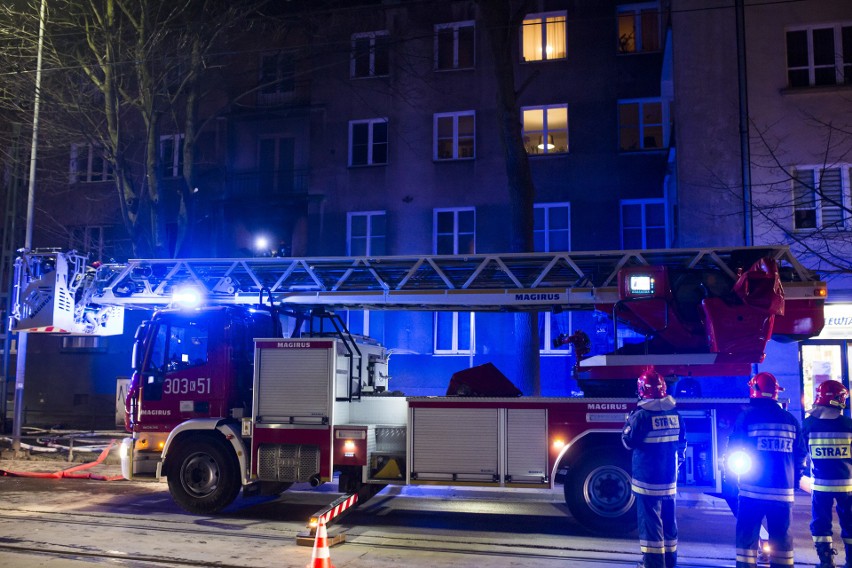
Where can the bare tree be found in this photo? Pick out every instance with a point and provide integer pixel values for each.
(119, 74)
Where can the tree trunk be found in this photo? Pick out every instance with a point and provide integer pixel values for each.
(501, 28)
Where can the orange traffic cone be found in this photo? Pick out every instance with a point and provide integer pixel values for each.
(320, 557)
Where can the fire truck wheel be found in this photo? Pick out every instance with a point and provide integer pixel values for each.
(204, 476)
(598, 492)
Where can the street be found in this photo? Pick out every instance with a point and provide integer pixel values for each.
(73, 522)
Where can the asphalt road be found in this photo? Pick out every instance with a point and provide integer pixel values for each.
(76, 522)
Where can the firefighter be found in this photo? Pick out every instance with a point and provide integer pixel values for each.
(828, 434)
(768, 447)
(654, 433)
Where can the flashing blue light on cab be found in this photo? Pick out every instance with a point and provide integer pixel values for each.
(187, 297)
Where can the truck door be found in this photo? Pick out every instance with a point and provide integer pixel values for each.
(176, 384)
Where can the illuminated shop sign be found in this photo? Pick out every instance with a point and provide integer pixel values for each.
(838, 322)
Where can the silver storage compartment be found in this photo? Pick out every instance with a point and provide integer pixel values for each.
(454, 444)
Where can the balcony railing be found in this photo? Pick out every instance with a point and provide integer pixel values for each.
(265, 184)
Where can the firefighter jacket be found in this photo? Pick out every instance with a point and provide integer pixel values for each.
(654, 433)
(828, 435)
(772, 438)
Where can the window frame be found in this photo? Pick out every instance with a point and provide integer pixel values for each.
(644, 226)
(542, 23)
(175, 170)
(456, 232)
(456, 317)
(371, 144)
(455, 27)
(840, 66)
(817, 175)
(374, 47)
(364, 315)
(637, 9)
(545, 318)
(665, 126)
(368, 238)
(546, 230)
(455, 139)
(545, 133)
(74, 174)
(272, 89)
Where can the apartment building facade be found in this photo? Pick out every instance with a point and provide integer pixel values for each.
(372, 130)
(763, 125)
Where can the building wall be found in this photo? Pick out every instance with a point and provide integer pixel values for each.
(706, 124)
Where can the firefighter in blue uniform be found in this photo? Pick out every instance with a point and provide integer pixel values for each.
(828, 434)
(770, 438)
(654, 433)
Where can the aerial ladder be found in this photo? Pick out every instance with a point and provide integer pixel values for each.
(58, 292)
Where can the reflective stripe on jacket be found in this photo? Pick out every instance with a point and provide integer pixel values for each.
(773, 438)
(655, 434)
(828, 435)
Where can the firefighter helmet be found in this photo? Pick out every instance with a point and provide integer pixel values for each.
(651, 384)
(831, 393)
(764, 385)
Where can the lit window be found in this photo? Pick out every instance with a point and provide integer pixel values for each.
(639, 27)
(643, 224)
(643, 125)
(819, 56)
(277, 76)
(89, 164)
(543, 37)
(370, 55)
(365, 232)
(454, 46)
(821, 198)
(545, 129)
(454, 135)
(171, 155)
(368, 142)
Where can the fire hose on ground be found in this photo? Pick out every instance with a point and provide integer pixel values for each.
(71, 472)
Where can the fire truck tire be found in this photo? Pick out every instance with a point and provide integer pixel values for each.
(204, 476)
(598, 493)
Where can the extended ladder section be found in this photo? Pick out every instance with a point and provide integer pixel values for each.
(57, 291)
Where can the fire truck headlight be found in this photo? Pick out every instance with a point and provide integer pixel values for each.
(739, 462)
(558, 444)
(187, 297)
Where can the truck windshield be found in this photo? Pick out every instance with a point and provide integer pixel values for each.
(177, 347)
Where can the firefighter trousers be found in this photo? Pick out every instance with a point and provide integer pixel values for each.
(821, 502)
(657, 530)
(779, 517)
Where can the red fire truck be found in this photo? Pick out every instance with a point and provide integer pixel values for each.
(264, 387)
